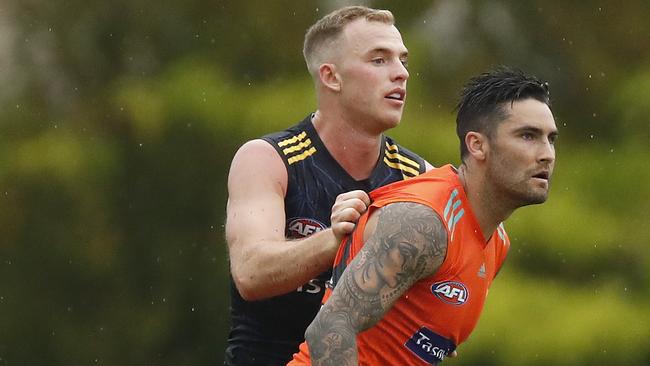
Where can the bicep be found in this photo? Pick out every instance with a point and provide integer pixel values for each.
(405, 242)
(257, 183)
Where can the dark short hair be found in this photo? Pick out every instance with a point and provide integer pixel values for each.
(482, 99)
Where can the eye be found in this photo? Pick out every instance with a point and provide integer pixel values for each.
(552, 139)
(406, 250)
(405, 63)
(378, 61)
(527, 136)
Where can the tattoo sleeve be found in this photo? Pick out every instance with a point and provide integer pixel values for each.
(409, 243)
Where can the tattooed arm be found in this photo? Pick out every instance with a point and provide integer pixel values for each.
(408, 242)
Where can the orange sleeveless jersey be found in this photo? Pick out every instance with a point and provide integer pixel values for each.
(438, 312)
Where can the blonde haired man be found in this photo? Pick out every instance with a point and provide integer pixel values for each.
(294, 194)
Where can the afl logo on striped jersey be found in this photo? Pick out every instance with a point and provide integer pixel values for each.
(451, 292)
(301, 227)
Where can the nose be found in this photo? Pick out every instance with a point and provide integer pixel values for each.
(547, 152)
(400, 72)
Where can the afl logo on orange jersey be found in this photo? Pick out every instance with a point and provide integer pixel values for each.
(301, 227)
(451, 292)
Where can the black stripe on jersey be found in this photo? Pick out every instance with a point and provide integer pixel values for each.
(405, 169)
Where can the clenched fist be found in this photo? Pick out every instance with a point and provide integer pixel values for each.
(347, 209)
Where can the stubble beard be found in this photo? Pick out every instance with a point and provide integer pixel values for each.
(517, 191)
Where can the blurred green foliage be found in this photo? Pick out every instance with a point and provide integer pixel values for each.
(118, 121)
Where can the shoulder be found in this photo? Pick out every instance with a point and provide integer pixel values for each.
(295, 143)
(413, 230)
(257, 148)
(257, 162)
(434, 188)
(413, 220)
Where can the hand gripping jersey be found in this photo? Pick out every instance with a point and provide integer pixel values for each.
(268, 332)
(440, 311)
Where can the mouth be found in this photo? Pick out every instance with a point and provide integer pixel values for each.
(398, 94)
(542, 175)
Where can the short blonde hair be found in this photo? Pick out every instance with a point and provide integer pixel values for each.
(327, 30)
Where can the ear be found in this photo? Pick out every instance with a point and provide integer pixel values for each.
(329, 77)
(477, 145)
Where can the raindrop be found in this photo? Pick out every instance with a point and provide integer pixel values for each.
(192, 308)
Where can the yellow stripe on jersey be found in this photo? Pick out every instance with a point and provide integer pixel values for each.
(302, 156)
(393, 152)
(292, 140)
(402, 167)
(403, 159)
(294, 148)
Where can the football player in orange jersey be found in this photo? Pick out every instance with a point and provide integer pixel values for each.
(410, 282)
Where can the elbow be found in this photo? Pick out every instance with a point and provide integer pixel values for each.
(247, 286)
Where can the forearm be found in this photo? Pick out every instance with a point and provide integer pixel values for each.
(332, 340)
(265, 269)
(409, 243)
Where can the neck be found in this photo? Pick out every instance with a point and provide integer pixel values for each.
(486, 204)
(353, 148)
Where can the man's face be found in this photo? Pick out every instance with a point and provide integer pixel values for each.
(371, 64)
(522, 153)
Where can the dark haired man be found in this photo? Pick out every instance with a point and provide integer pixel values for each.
(411, 280)
(283, 186)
